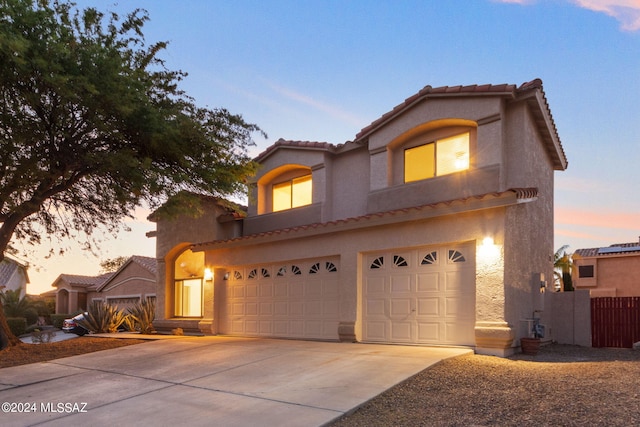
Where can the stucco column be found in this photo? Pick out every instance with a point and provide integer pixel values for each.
(73, 301)
(349, 301)
(494, 336)
(209, 324)
(161, 290)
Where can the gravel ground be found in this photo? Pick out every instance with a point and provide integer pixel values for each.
(561, 386)
(34, 353)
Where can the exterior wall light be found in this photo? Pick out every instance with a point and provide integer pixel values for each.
(488, 251)
(208, 274)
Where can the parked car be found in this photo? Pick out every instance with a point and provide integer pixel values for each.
(71, 326)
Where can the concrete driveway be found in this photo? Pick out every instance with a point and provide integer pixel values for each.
(209, 381)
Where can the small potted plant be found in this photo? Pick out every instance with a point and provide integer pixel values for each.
(531, 345)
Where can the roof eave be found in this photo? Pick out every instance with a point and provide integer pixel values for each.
(452, 207)
(544, 121)
(402, 108)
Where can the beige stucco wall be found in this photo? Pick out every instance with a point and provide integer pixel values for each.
(134, 283)
(350, 245)
(570, 318)
(175, 236)
(529, 227)
(614, 276)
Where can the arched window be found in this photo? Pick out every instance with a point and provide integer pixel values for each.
(285, 187)
(188, 284)
(432, 149)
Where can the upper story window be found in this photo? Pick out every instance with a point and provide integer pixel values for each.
(440, 157)
(292, 193)
(585, 271)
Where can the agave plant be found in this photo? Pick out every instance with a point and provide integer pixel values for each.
(102, 317)
(143, 314)
(129, 323)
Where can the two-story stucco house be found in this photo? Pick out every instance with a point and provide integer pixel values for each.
(611, 271)
(433, 226)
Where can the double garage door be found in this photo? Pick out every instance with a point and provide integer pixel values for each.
(420, 296)
(417, 296)
(298, 299)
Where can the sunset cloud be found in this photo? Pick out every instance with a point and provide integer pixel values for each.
(600, 219)
(627, 12)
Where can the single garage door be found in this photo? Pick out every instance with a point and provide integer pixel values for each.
(297, 299)
(420, 296)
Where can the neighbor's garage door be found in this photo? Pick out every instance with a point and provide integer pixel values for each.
(296, 299)
(424, 296)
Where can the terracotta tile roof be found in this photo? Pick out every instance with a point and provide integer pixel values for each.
(85, 281)
(487, 89)
(521, 194)
(231, 207)
(543, 118)
(149, 263)
(615, 249)
(283, 143)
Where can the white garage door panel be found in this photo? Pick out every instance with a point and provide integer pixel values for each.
(293, 300)
(401, 332)
(423, 296)
(428, 282)
(429, 331)
(428, 307)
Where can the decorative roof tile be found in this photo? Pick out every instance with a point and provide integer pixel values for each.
(542, 116)
(521, 195)
(149, 263)
(85, 281)
(282, 143)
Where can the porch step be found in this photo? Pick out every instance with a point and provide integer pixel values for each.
(168, 326)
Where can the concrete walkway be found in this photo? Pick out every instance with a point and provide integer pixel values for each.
(210, 381)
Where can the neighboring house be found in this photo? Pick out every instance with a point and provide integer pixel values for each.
(134, 281)
(434, 226)
(13, 275)
(612, 271)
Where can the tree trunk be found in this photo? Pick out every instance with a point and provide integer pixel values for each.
(7, 339)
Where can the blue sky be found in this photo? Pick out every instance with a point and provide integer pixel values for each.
(323, 70)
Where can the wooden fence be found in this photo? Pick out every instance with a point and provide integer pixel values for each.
(615, 322)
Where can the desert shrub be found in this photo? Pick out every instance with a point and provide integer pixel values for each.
(129, 323)
(143, 314)
(18, 325)
(57, 319)
(31, 314)
(12, 303)
(102, 317)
